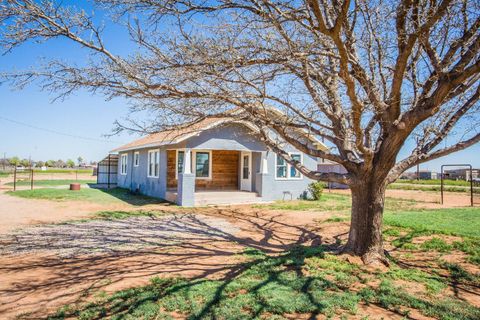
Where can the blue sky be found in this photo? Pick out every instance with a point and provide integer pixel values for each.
(83, 114)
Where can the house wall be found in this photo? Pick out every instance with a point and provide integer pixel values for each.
(136, 177)
(280, 189)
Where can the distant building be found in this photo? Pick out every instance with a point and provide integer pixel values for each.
(327, 166)
(427, 175)
(422, 175)
(461, 174)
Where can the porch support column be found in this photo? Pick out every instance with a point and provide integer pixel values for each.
(263, 181)
(186, 182)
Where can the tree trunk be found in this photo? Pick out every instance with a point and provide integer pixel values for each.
(365, 236)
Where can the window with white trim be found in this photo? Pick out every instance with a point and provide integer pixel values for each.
(203, 165)
(123, 164)
(294, 173)
(281, 168)
(136, 159)
(153, 163)
(284, 170)
(180, 157)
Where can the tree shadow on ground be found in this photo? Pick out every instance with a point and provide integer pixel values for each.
(229, 263)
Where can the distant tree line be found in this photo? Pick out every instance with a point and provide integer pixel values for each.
(18, 162)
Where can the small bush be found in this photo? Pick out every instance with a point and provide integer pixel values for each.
(316, 189)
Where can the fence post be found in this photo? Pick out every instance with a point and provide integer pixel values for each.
(31, 180)
(15, 179)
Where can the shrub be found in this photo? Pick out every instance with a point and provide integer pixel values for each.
(316, 189)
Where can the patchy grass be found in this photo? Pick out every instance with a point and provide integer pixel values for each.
(436, 244)
(302, 281)
(328, 202)
(116, 195)
(333, 202)
(118, 214)
(49, 183)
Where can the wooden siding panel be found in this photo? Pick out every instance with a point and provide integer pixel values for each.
(225, 164)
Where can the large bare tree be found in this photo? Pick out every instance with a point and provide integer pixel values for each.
(365, 76)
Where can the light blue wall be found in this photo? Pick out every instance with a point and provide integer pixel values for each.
(137, 176)
(273, 189)
(227, 137)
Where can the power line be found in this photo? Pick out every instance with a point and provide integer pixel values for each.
(57, 132)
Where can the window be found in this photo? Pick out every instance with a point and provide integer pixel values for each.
(285, 170)
(180, 157)
(202, 164)
(294, 173)
(153, 163)
(136, 159)
(281, 168)
(123, 164)
(246, 167)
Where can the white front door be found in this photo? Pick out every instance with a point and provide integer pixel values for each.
(246, 171)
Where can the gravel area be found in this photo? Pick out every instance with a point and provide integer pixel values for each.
(99, 236)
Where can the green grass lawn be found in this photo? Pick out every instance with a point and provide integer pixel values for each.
(436, 188)
(435, 182)
(458, 221)
(116, 195)
(4, 174)
(49, 183)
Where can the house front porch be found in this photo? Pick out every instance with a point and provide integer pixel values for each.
(199, 177)
(215, 197)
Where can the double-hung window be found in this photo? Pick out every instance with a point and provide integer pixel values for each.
(123, 164)
(281, 168)
(153, 163)
(136, 159)
(203, 164)
(284, 170)
(294, 173)
(180, 157)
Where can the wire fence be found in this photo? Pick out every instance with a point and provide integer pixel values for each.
(30, 179)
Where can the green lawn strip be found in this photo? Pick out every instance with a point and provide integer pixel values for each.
(300, 281)
(4, 174)
(457, 221)
(399, 186)
(50, 183)
(116, 195)
(436, 182)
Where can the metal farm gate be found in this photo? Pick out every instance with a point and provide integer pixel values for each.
(107, 170)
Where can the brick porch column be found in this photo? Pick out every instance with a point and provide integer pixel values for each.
(186, 182)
